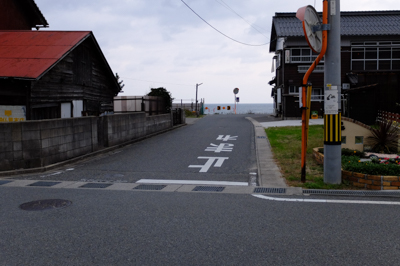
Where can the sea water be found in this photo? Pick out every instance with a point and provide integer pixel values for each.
(241, 108)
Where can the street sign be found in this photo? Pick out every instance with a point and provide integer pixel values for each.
(236, 91)
(331, 101)
(237, 99)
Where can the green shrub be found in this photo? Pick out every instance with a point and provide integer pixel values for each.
(353, 164)
(350, 152)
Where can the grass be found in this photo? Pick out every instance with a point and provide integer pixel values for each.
(286, 146)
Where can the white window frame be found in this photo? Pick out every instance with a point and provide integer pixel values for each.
(306, 55)
(378, 47)
(294, 89)
(317, 94)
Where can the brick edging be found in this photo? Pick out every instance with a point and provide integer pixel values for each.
(355, 122)
(373, 182)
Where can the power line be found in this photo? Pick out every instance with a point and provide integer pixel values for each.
(222, 3)
(158, 82)
(220, 31)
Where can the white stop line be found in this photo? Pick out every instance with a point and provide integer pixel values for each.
(329, 201)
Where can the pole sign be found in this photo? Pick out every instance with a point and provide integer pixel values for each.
(331, 100)
(236, 91)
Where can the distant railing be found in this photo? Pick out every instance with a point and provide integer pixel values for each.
(151, 105)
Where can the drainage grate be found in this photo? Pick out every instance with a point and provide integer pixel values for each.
(96, 185)
(44, 184)
(351, 192)
(214, 189)
(261, 137)
(3, 182)
(269, 190)
(48, 204)
(150, 187)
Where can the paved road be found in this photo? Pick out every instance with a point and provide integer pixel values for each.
(120, 225)
(219, 148)
(104, 227)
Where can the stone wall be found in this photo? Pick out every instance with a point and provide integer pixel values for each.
(32, 144)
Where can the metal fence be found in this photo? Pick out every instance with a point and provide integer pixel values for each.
(151, 105)
(384, 116)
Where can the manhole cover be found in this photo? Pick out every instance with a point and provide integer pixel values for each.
(44, 184)
(269, 190)
(48, 204)
(209, 189)
(96, 185)
(150, 187)
(3, 182)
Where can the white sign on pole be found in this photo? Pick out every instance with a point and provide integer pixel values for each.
(331, 101)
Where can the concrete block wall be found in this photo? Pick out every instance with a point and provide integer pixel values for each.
(158, 123)
(121, 128)
(31, 144)
(64, 139)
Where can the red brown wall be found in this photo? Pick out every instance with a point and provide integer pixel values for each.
(12, 16)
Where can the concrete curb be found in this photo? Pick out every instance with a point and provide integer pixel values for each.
(82, 157)
(269, 174)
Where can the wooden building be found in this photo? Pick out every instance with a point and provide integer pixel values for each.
(370, 65)
(20, 15)
(53, 74)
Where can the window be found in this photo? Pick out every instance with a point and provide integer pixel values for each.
(317, 94)
(302, 55)
(359, 140)
(293, 89)
(343, 139)
(375, 56)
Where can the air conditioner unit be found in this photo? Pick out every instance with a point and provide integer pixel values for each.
(346, 86)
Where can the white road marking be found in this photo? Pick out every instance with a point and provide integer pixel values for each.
(226, 138)
(56, 173)
(191, 182)
(221, 147)
(210, 161)
(329, 201)
(69, 169)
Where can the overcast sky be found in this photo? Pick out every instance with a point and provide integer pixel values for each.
(162, 43)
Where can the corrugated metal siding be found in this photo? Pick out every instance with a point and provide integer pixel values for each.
(28, 54)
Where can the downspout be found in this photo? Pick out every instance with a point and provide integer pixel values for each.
(303, 98)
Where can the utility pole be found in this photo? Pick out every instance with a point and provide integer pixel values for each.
(332, 102)
(197, 86)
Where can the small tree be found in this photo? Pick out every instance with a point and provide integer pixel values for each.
(120, 82)
(385, 138)
(162, 92)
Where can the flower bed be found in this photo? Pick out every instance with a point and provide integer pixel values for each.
(375, 182)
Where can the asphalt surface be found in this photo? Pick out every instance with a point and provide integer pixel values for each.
(121, 225)
(169, 155)
(155, 228)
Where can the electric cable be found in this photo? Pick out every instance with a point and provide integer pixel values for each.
(222, 3)
(220, 31)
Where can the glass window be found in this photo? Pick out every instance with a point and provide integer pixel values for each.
(396, 53)
(316, 94)
(371, 65)
(371, 53)
(293, 89)
(358, 65)
(384, 65)
(357, 53)
(385, 53)
(359, 140)
(343, 139)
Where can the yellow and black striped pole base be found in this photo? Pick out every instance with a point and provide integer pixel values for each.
(333, 129)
